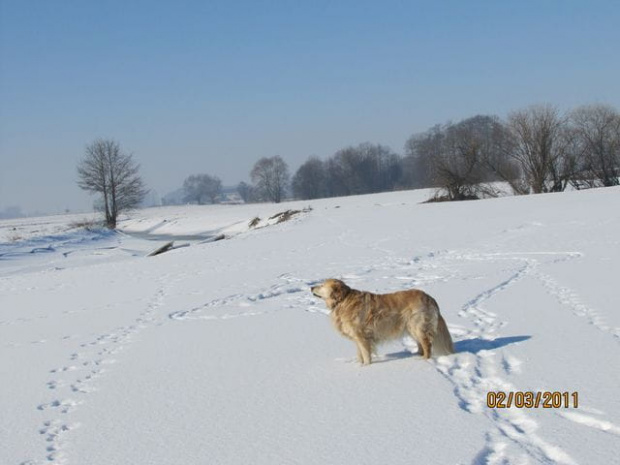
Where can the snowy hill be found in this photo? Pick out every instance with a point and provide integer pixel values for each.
(217, 353)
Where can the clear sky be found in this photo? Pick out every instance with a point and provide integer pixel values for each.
(209, 87)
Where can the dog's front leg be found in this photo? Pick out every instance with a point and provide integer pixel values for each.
(360, 357)
(363, 351)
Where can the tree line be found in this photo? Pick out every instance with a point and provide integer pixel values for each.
(534, 150)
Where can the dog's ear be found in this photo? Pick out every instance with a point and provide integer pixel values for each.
(339, 290)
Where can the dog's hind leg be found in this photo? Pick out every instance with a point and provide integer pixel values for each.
(426, 344)
(424, 340)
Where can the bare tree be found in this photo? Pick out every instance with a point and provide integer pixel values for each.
(541, 147)
(345, 169)
(500, 161)
(106, 170)
(461, 159)
(270, 177)
(597, 141)
(363, 169)
(420, 151)
(200, 188)
(337, 179)
(309, 182)
(461, 166)
(458, 168)
(383, 168)
(245, 191)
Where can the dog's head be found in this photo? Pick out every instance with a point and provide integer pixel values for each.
(332, 291)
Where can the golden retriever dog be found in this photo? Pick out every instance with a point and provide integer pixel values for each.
(368, 318)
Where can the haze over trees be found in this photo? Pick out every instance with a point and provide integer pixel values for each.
(362, 169)
(108, 171)
(245, 191)
(202, 188)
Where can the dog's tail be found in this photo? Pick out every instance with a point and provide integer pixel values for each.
(442, 343)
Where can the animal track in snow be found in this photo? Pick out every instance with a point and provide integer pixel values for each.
(65, 369)
(591, 422)
(54, 431)
(570, 299)
(475, 374)
(201, 312)
(77, 379)
(511, 364)
(64, 406)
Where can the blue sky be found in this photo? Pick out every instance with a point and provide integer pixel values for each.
(209, 87)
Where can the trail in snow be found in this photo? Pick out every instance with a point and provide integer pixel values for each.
(70, 384)
(477, 368)
(475, 374)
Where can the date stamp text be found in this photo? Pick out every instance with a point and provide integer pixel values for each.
(530, 399)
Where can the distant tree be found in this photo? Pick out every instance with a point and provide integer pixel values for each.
(363, 169)
(459, 168)
(542, 145)
(597, 144)
(309, 182)
(270, 177)
(499, 160)
(461, 159)
(337, 181)
(454, 155)
(245, 191)
(383, 167)
(200, 188)
(420, 151)
(356, 171)
(107, 171)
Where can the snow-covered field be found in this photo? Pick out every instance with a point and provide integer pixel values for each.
(217, 353)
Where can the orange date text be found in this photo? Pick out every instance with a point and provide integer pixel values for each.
(531, 399)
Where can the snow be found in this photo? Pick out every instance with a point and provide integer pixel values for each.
(218, 353)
